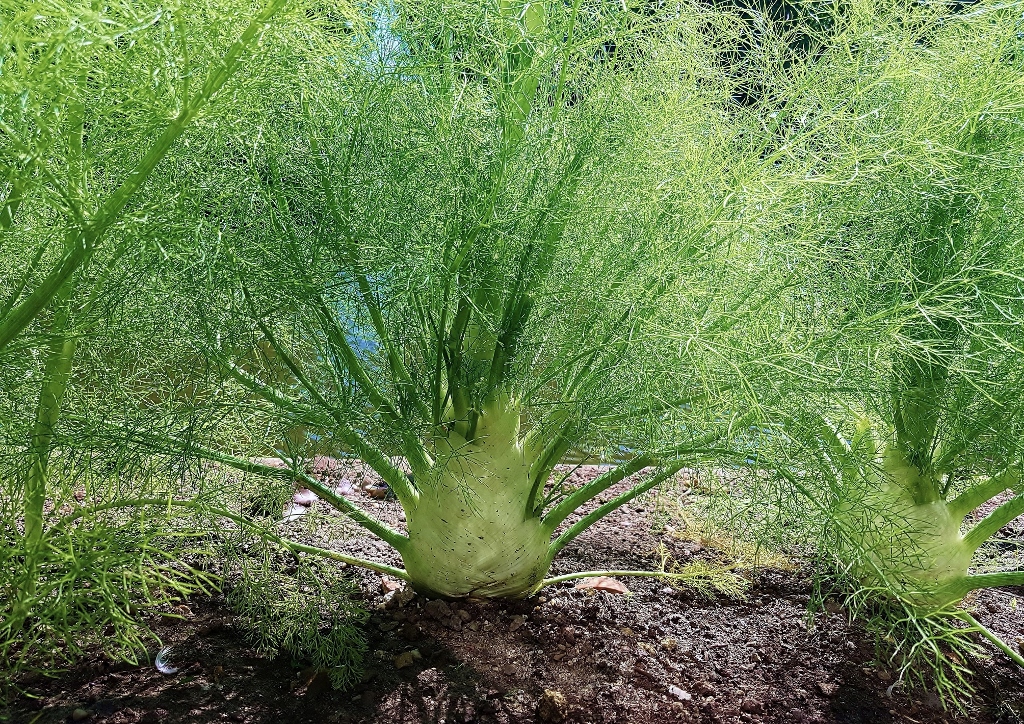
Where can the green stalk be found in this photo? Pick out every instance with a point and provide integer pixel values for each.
(595, 574)
(392, 537)
(56, 374)
(965, 585)
(995, 520)
(594, 488)
(601, 511)
(967, 501)
(228, 515)
(1000, 644)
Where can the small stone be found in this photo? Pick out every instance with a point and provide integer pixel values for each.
(509, 669)
(270, 462)
(552, 706)
(473, 625)
(399, 598)
(933, 701)
(404, 659)
(1020, 646)
(827, 688)
(79, 714)
(293, 512)
(627, 631)
(703, 688)
(669, 644)
(752, 706)
(389, 584)
(410, 632)
(304, 496)
(378, 490)
(465, 615)
(603, 583)
(516, 623)
(680, 694)
(437, 609)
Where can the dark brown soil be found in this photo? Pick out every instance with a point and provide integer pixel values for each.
(654, 655)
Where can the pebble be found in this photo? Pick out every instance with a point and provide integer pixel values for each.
(752, 706)
(406, 659)
(437, 609)
(79, 714)
(680, 694)
(517, 622)
(552, 706)
(827, 688)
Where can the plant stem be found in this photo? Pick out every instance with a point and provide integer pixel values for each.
(594, 574)
(594, 488)
(967, 501)
(240, 520)
(57, 371)
(395, 539)
(601, 511)
(995, 520)
(965, 585)
(999, 643)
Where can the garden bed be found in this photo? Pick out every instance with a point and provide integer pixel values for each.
(656, 654)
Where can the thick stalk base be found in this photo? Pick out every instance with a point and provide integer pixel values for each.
(470, 533)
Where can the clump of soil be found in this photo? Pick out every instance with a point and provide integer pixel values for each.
(568, 655)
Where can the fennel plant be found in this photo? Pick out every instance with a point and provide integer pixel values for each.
(93, 99)
(470, 257)
(914, 307)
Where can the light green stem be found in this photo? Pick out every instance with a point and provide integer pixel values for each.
(999, 643)
(601, 511)
(595, 574)
(594, 488)
(995, 520)
(57, 371)
(962, 586)
(228, 515)
(980, 494)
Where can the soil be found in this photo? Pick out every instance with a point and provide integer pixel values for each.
(656, 654)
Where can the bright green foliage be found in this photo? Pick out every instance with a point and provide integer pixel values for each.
(95, 98)
(904, 536)
(913, 307)
(307, 613)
